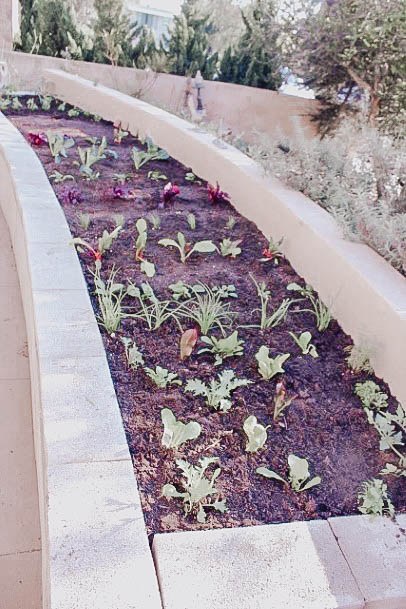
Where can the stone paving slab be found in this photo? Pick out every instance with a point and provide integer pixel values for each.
(375, 549)
(285, 566)
(112, 570)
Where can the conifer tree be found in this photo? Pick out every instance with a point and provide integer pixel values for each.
(47, 28)
(187, 46)
(255, 60)
(113, 34)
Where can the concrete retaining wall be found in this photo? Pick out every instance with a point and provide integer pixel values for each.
(95, 547)
(243, 109)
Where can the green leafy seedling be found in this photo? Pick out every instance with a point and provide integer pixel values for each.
(162, 377)
(177, 433)
(256, 434)
(268, 367)
(374, 499)
(134, 356)
(230, 248)
(59, 145)
(298, 477)
(304, 342)
(223, 348)
(198, 489)
(218, 392)
(186, 249)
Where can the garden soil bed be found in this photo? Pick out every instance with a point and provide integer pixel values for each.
(325, 422)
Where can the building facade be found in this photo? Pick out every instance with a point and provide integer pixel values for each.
(156, 14)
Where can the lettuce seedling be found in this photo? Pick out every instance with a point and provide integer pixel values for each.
(177, 433)
(16, 104)
(4, 103)
(218, 392)
(46, 102)
(153, 153)
(374, 499)
(191, 220)
(198, 489)
(73, 112)
(223, 348)
(84, 220)
(268, 367)
(155, 221)
(31, 105)
(59, 145)
(162, 377)
(187, 249)
(304, 342)
(256, 434)
(155, 176)
(122, 178)
(190, 177)
(134, 356)
(298, 477)
(59, 177)
(230, 248)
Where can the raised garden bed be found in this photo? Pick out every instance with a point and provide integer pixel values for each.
(325, 423)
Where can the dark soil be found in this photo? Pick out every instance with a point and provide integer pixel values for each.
(325, 423)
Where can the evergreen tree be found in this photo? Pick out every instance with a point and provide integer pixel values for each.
(47, 28)
(188, 48)
(145, 53)
(255, 60)
(113, 34)
(29, 31)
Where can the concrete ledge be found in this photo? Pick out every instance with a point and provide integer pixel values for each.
(95, 548)
(366, 295)
(375, 549)
(282, 566)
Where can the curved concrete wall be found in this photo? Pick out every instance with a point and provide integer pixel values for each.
(366, 295)
(95, 548)
(243, 109)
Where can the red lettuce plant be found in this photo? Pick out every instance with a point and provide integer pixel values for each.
(170, 192)
(216, 195)
(37, 139)
(72, 196)
(123, 193)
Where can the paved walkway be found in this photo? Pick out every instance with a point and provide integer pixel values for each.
(20, 544)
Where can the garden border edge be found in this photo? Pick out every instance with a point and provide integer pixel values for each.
(95, 551)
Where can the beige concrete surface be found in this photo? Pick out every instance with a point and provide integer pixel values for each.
(365, 294)
(375, 550)
(20, 539)
(95, 552)
(245, 110)
(284, 566)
